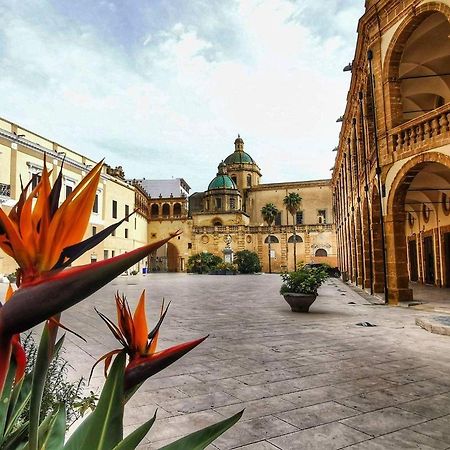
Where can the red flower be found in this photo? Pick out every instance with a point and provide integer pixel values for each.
(140, 345)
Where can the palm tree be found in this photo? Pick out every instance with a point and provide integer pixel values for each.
(292, 202)
(269, 211)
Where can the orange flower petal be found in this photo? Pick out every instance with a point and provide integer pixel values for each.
(140, 326)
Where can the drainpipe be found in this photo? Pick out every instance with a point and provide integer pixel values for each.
(358, 199)
(350, 169)
(378, 172)
(366, 191)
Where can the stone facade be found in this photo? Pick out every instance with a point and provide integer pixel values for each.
(229, 209)
(22, 156)
(391, 180)
(213, 219)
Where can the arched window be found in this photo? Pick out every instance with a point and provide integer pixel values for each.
(233, 177)
(446, 203)
(425, 212)
(273, 239)
(295, 238)
(166, 210)
(154, 211)
(320, 252)
(249, 180)
(177, 209)
(217, 223)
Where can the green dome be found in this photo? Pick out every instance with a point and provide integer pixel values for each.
(222, 182)
(239, 158)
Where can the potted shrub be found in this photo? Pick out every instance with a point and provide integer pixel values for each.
(299, 288)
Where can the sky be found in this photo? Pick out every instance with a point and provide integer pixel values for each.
(163, 87)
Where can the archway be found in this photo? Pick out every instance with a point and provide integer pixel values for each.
(417, 228)
(417, 63)
(172, 257)
(177, 210)
(321, 253)
(166, 210)
(154, 211)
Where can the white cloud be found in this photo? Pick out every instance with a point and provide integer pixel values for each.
(172, 105)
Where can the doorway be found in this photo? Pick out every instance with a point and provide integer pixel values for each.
(428, 255)
(447, 258)
(412, 253)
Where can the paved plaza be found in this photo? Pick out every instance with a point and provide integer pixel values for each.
(306, 381)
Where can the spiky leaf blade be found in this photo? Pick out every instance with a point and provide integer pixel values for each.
(202, 438)
(104, 429)
(134, 438)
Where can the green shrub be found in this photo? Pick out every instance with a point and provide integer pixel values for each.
(57, 388)
(203, 262)
(247, 261)
(305, 280)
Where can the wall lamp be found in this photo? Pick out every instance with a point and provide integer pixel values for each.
(347, 68)
(340, 119)
(335, 149)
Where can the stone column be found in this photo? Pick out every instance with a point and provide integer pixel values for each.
(397, 264)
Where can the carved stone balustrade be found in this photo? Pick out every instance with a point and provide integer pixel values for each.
(425, 132)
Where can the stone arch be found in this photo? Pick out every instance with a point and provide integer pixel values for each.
(297, 238)
(166, 210)
(321, 253)
(273, 239)
(154, 211)
(406, 185)
(177, 209)
(394, 53)
(172, 257)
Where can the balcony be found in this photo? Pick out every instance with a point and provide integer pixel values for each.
(5, 190)
(276, 229)
(425, 132)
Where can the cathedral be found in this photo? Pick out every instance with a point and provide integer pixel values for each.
(227, 215)
(229, 211)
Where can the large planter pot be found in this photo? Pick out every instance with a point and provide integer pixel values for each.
(299, 302)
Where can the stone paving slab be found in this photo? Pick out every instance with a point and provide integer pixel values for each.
(307, 381)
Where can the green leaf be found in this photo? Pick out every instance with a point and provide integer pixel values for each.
(16, 439)
(20, 398)
(202, 438)
(54, 438)
(103, 429)
(5, 399)
(44, 356)
(134, 438)
(42, 431)
(77, 438)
